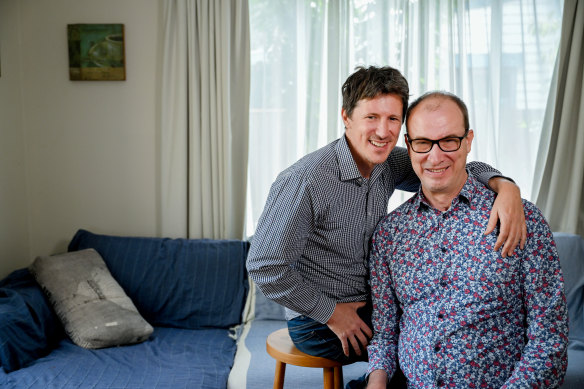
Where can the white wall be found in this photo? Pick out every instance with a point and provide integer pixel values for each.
(13, 196)
(90, 147)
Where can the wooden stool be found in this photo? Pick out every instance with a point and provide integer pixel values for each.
(282, 349)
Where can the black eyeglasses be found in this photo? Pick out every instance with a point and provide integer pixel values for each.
(448, 144)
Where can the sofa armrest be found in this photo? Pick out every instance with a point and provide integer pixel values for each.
(29, 329)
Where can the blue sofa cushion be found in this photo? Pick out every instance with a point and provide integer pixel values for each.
(171, 358)
(29, 329)
(571, 253)
(183, 283)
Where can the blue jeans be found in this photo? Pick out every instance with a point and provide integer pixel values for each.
(314, 338)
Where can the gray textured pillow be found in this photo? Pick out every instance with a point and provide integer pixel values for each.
(93, 307)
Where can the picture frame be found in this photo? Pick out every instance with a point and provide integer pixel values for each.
(96, 52)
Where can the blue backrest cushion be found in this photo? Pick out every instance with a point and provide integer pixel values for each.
(571, 253)
(29, 329)
(183, 283)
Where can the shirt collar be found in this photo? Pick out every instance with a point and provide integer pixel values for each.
(348, 167)
(466, 194)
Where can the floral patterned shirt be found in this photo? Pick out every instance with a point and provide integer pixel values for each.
(453, 310)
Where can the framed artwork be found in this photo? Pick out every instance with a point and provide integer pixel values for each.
(96, 52)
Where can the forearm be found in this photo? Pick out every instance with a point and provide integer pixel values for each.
(543, 360)
(507, 212)
(383, 347)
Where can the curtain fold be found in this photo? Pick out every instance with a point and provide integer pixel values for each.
(300, 58)
(560, 186)
(497, 55)
(204, 118)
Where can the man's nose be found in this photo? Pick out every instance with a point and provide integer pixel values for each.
(435, 153)
(384, 129)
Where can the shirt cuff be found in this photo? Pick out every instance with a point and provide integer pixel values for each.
(380, 366)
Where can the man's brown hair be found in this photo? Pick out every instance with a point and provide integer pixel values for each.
(367, 83)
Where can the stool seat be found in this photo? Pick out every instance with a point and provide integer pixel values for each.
(280, 346)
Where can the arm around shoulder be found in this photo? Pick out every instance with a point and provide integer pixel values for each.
(508, 211)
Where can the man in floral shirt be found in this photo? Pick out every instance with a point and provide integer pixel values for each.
(454, 312)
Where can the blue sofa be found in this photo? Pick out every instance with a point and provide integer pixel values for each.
(210, 323)
(191, 291)
(571, 252)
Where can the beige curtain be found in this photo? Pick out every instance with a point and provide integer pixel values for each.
(204, 118)
(561, 155)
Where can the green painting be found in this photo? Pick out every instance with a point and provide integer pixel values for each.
(96, 52)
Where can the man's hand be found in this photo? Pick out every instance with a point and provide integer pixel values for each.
(377, 380)
(349, 328)
(508, 209)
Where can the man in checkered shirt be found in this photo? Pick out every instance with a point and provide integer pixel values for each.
(310, 249)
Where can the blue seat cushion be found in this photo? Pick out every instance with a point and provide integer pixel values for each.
(170, 358)
(182, 283)
(571, 253)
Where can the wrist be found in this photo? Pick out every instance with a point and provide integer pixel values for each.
(377, 378)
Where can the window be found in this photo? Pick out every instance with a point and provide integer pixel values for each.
(497, 55)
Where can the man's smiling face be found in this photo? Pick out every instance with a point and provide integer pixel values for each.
(372, 130)
(441, 173)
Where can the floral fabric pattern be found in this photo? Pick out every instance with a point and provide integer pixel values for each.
(453, 310)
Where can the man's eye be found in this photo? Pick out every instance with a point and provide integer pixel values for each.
(422, 143)
(449, 141)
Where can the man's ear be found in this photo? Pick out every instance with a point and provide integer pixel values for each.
(407, 143)
(468, 139)
(344, 116)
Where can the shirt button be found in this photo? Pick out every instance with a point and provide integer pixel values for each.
(443, 249)
(440, 382)
(437, 348)
(443, 284)
(440, 316)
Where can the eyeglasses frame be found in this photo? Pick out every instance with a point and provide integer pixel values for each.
(437, 142)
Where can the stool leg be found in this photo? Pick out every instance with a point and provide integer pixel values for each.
(279, 377)
(339, 377)
(329, 377)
